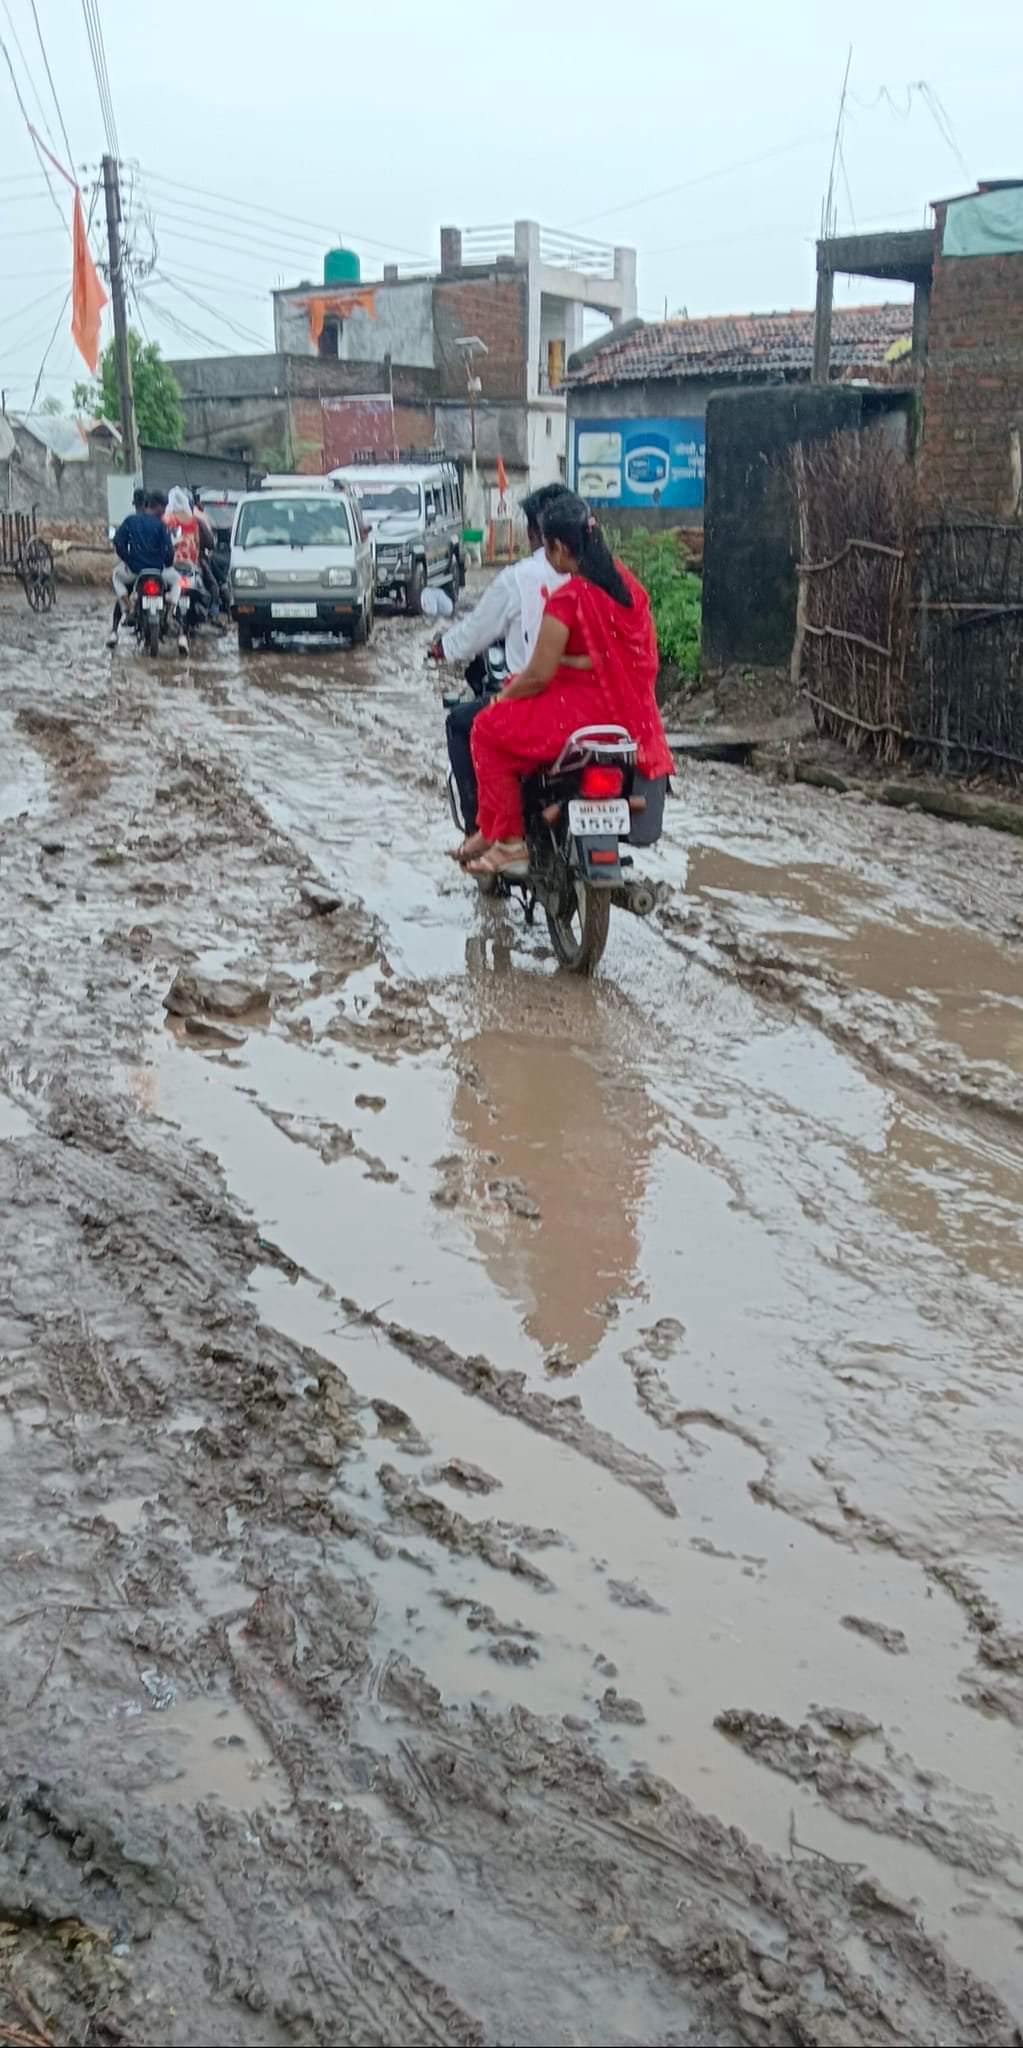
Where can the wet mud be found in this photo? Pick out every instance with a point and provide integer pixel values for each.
(458, 1425)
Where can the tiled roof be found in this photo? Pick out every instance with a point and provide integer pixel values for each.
(741, 344)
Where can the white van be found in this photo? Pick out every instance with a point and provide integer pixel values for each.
(301, 562)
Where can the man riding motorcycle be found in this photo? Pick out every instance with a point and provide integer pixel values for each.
(510, 609)
(142, 544)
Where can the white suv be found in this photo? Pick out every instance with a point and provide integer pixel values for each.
(301, 562)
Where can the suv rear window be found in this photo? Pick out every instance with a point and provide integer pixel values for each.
(292, 521)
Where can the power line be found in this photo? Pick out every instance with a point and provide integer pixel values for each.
(176, 284)
(53, 89)
(97, 51)
(252, 206)
(705, 177)
(24, 115)
(49, 345)
(50, 293)
(27, 70)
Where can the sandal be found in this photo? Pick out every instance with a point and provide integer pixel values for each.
(470, 849)
(507, 857)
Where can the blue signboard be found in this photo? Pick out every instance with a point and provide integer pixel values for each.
(639, 463)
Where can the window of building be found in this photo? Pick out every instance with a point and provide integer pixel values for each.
(330, 339)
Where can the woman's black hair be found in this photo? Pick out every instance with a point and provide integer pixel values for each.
(569, 520)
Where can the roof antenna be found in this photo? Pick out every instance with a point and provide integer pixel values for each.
(829, 210)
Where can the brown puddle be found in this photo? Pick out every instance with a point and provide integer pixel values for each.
(971, 987)
(215, 1751)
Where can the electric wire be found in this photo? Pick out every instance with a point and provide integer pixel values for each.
(53, 89)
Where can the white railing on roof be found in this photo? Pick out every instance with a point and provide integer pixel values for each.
(576, 252)
(561, 250)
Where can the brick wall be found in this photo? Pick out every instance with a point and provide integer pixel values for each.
(973, 384)
(496, 309)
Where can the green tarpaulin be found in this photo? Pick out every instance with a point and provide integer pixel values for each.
(989, 224)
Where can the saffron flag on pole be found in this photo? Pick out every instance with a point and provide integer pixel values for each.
(502, 480)
(87, 295)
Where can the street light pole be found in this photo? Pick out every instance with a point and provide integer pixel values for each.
(122, 352)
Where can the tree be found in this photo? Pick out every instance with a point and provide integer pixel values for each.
(52, 406)
(157, 393)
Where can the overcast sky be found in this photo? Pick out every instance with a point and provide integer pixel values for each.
(380, 122)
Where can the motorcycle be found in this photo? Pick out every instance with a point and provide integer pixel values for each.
(195, 605)
(150, 611)
(581, 814)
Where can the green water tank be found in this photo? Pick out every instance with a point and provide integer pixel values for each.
(341, 266)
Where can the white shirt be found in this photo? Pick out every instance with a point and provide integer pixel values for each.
(510, 610)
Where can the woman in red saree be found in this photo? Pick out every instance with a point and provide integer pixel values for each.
(594, 663)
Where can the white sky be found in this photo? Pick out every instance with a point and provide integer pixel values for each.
(384, 121)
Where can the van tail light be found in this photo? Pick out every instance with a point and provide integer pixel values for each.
(596, 780)
(151, 588)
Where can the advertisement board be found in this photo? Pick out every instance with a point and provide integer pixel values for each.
(639, 463)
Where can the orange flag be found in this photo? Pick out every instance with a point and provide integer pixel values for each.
(502, 479)
(87, 295)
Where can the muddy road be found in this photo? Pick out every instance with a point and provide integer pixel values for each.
(509, 1489)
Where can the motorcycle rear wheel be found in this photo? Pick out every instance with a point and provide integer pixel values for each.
(153, 633)
(579, 935)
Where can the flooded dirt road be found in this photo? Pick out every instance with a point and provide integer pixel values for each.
(509, 1488)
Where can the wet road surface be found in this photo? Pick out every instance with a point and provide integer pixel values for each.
(423, 1342)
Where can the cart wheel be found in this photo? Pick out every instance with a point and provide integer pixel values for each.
(37, 574)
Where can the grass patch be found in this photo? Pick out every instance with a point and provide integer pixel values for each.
(658, 561)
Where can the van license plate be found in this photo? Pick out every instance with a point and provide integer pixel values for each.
(293, 611)
(588, 819)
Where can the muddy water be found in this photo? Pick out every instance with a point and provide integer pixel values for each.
(573, 1166)
(761, 1300)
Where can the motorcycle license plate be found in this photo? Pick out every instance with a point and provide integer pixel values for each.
(152, 604)
(293, 611)
(607, 819)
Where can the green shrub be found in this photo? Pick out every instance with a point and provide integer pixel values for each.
(658, 562)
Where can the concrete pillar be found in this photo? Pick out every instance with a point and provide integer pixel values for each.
(450, 250)
(527, 242)
(625, 272)
(822, 323)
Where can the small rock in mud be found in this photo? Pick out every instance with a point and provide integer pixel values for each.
(615, 1706)
(393, 1421)
(192, 994)
(459, 1472)
(320, 901)
(515, 1197)
(479, 1616)
(374, 1102)
(202, 1032)
(845, 1722)
(605, 1666)
(506, 1650)
(558, 1365)
(891, 1639)
(628, 1593)
(664, 1337)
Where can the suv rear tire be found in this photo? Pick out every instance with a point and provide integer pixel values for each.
(414, 590)
(453, 579)
(362, 625)
(244, 638)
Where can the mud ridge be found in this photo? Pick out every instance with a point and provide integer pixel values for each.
(507, 1390)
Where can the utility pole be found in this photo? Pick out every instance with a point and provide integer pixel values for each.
(122, 354)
